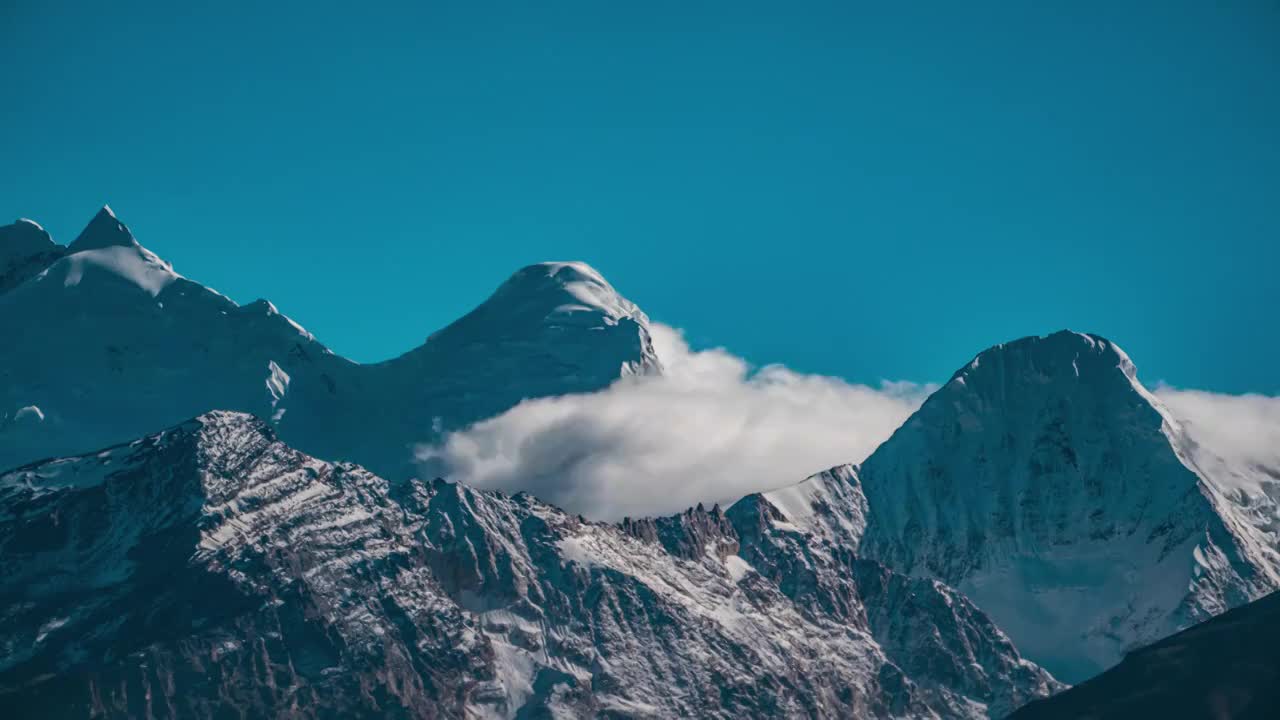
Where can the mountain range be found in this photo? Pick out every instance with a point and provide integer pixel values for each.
(210, 570)
(173, 545)
(112, 344)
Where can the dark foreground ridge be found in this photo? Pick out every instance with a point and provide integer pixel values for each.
(1227, 668)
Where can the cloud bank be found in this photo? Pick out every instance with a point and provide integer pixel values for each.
(711, 429)
(1242, 428)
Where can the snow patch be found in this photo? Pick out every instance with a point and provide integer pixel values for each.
(277, 386)
(49, 627)
(737, 567)
(133, 264)
(574, 549)
(32, 223)
(834, 489)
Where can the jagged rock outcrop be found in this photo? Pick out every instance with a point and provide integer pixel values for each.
(211, 570)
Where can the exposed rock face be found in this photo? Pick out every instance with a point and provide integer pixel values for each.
(212, 570)
(1054, 491)
(1224, 668)
(109, 343)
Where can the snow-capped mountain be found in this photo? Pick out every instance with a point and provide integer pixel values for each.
(25, 250)
(1043, 492)
(1225, 668)
(108, 342)
(212, 570)
(1051, 488)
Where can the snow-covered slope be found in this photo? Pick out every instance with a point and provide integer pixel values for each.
(107, 342)
(1051, 488)
(212, 570)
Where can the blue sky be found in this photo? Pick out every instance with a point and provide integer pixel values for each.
(847, 188)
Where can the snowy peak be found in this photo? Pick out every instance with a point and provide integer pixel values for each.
(551, 277)
(1045, 482)
(25, 250)
(224, 438)
(1063, 356)
(542, 297)
(219, 440)
(556, 328)
(573, 286)
(117, 344)
(104, 258)
(828, 504)
(103, 231)
(24, 237)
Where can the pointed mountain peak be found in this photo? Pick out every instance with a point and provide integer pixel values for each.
(103, 231)
(266, 309)
(1058, 370)
(565, 273)
(1061, 356)
(220, 440)
(546, 295)
(565, 286)
(1036, 479)
(829, 504)
(229, 427)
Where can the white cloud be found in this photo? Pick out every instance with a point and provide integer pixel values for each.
(1243, 429)
(710, 430)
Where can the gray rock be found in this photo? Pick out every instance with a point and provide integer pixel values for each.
(210, 571)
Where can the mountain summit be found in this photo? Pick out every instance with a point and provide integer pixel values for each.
(560, 325)
(113, 344)
(1046, 483)
(544, 293)
(25, 250)
(103, 231)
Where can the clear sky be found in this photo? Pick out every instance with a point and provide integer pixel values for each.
(869, 190)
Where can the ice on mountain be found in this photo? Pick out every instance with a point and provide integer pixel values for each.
(737, 567)
(28, 414)
(132, 264)
(117, 344)
(1047, 484)
(34, 225)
